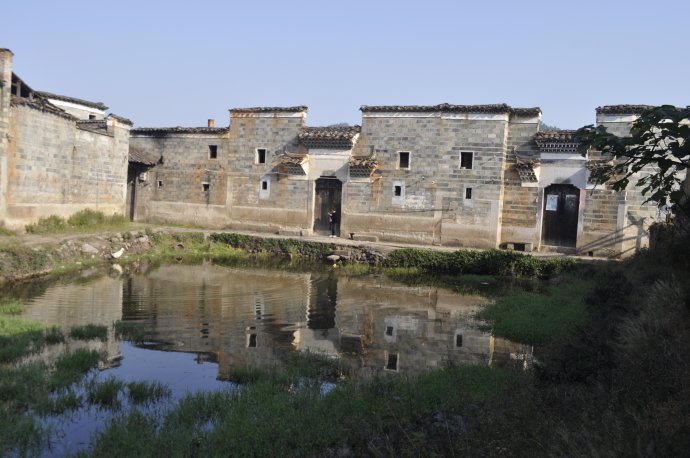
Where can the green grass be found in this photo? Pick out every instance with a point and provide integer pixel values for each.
(11, 308)
(538, 318)
(147, 392)
(89, 332)
(106, 394)
(130, 330)
(85, 220)
(6, 232)
(71, 367)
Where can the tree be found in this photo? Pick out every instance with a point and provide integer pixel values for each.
(659, 142)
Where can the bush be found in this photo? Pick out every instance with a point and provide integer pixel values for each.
(276, 246)
(83, 220)
(489, 262)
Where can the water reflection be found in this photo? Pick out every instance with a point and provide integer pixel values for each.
(239, 317)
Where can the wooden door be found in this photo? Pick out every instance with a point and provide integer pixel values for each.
(328, 195)
(561, 207)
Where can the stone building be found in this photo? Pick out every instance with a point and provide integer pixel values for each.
(58, 154)
(480, 176)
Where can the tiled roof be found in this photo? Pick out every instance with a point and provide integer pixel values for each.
(42, 104)
(99, 126)
(556, 141)
(268, 109)
(64, 98)
(446, 107)
(623, 109)
(165, 131)
(139, 156)
(329, 137)
(555, 135)
(121, 119)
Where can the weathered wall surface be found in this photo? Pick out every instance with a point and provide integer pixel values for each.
(56, 168)
(5, 96)
(286, 201)
(187, 185)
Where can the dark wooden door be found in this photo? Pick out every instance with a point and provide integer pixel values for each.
(561, 207)
(328, 194)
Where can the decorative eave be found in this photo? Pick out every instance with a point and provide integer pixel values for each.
(362, 166)
(291, 164)
(138, 156)
(499, 108)
(329, 137)
(120, 119)
(96, 126)
(295, 109)
(556, 141)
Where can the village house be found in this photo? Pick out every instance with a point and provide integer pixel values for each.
(58, 155)
(479, 176)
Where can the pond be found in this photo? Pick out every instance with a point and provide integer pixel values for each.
(206, 319)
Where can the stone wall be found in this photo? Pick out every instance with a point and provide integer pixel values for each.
(187, 185)
(5, 96)
(56, 168)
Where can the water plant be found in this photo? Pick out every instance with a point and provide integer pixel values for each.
(147, 392)
(130, 330)
(89, 331)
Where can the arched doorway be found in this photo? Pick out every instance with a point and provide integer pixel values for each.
(328, 196)
(561, 207)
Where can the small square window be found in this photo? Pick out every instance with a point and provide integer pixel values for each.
(389, 330)
(260, 155)
(468, 193)
(397, 191)
(92, 117)
(213, 151)
(205, 187)
(404, 160)
(466, 160)
(160, 183)
(264, 185)
(392, 362)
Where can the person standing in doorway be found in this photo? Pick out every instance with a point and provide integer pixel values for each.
(333, 221)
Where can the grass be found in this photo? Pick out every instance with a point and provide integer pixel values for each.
(85, 220)
(538, 318)
(147, 392)
(106, 394)
(71, 367)
(89, 332)
(6, 232)
(129, 330)
(11, 308)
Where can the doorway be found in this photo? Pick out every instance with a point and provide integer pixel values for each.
(561, 207)
(328, 195)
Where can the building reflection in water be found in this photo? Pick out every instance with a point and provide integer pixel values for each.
(253, 317)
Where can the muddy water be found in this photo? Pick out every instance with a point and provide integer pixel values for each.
(235, 317)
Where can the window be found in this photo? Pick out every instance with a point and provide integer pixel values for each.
(392, 362)
(92, 117)
(160, 183)
(251, 340)
(466, 160)
(264, 185)
(205, 187)
(397, 190)
(389, 330)
(458, 340)
(213, 151)
(398, 193)
(403, 160)
(261, 155)
(468, 193)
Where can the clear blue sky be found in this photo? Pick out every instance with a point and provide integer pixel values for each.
(170, 63)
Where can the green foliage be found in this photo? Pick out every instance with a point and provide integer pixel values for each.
(147, 392)
(84, 220)
(658, 143)
(130, 330)
(71, 367)
(13, 256)
(6, 232)
(489, 262)
(106, 393)
(271, 245)
(11, 308)
(89, 331)
(538, 318)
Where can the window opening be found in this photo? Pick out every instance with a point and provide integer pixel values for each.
(213, 151)
(160, 183)
(389, 330)
(264, 185)
(397, 190)
(392, 362)
(260, 155)
(251, 340)
(466, 160)
(458, 340)
(404, 160)
(92, 117)
(205, 186)
(468, 193)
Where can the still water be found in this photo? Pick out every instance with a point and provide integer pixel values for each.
(206, 319)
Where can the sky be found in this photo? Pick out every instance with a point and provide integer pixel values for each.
(178, 63)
